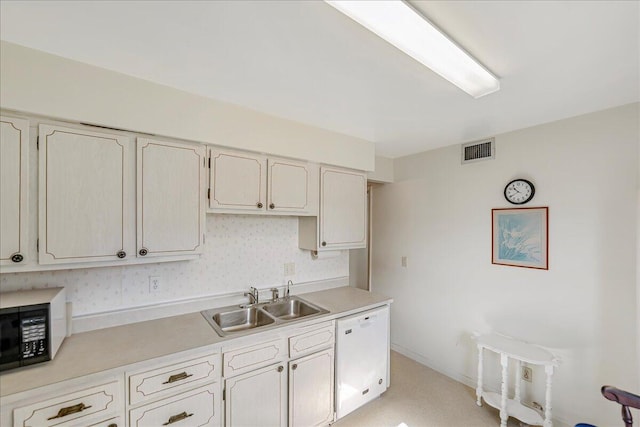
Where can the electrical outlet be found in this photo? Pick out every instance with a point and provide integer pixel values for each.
(403, 261)
(527, 374)
(155, 284)
(290, 269)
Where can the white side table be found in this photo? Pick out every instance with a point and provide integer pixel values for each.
(520, 352)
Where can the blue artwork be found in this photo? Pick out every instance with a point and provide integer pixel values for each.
(520, 237)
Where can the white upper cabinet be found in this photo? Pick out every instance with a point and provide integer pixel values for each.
(170, 198)
(86, 196)
(248, 183)
(342, 220)
(237, 181)
(343, 214)
(14, 160)
(289, 183)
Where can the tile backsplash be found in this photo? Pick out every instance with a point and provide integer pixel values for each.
(240, 251)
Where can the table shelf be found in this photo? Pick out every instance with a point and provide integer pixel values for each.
(509, 348)
(514, 409)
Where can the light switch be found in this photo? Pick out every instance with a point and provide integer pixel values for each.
(404, 261)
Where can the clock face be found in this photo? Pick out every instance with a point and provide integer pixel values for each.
(519, 191)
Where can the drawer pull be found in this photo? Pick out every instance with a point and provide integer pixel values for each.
(177, 377)
(69, 410)
(176, 418)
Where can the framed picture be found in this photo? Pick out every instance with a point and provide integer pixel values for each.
(521, 237)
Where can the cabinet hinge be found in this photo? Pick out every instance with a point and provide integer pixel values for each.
(38, 142)
(38, 245)
(209, 162)
(208, 193)
(224, 394)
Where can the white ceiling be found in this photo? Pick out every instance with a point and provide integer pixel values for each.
(304, 61)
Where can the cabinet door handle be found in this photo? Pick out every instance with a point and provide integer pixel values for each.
(259, 205)
(280, 369)
(324, 243)
(175, 418)
(177, 377)
(121, 254)
(294, 366)
(17, 257)
(63, 412)
(143, 251)
(272, 206)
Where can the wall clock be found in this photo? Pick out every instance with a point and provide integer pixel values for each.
(519, 191)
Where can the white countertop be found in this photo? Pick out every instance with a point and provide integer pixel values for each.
(100, 350)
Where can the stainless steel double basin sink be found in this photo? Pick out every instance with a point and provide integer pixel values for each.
(234, 319)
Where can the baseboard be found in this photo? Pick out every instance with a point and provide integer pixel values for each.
(89, 322)
(469, 382)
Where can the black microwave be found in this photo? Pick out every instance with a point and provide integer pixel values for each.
(33, 325)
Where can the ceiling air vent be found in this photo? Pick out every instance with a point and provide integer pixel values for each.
(478, 150)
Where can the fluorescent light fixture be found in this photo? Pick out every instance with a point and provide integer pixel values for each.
(399, 24)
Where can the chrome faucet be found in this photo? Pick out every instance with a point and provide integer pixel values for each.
(287, 290)
(253, 295)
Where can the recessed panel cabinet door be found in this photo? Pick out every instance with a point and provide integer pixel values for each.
(311, 390)
(343, 209)
(257, 398)
(237, 181)
(86, 196)
(170, 197)
(14, 160)
(288, 186)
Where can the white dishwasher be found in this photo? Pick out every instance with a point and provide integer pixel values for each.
(362, 358)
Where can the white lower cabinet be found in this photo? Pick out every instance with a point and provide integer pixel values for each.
(194, 408)
(295, 388)
(257, 398)
(311, 390)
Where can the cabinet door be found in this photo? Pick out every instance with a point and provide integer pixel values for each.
(257, 398)
(170, 198)
(311, 390)
(238, 182)
(14, 161)
(86, 196)
(343, 209)
(288, 186)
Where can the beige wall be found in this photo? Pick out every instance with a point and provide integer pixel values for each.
(383, 172)
(438, 214)
(35, 82)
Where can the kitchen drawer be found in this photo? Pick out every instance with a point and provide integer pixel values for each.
(111, 422)
(256, 356)
(80, 408)
(172, 379)
(322, 336)
(198, 407)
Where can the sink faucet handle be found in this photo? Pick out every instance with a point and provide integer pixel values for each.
(253, 295)
(275, 294)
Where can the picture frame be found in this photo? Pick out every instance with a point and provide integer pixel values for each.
(520, 237)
